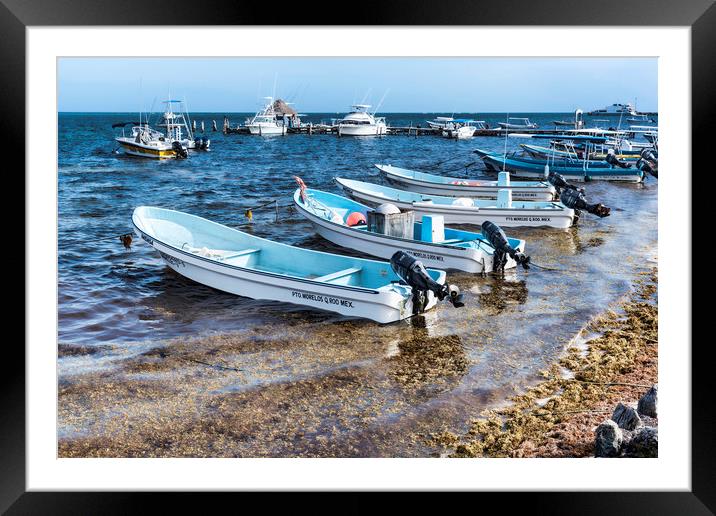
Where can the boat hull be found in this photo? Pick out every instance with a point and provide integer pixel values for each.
(144, 151)
(383, 246)
(267, 130)
(384, 305)
(536, 170)
(486, 190)
(506, 217)
(361, 130)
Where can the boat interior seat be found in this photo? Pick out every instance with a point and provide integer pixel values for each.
(238, 254)
(342, 274)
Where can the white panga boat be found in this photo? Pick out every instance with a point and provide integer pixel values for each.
(422, 182)
(517, 123)
(360, 122)
(464, 210)
(266, 122)
(343, 222)
(236, 262)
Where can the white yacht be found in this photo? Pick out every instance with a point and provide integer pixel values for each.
(616, 110)
(360, 122)
(266, 122)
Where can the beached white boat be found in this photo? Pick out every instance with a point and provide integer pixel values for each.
(463, 210)
(422, 182)
(266, 122)
(236, 262)
(445, 248)
(360, 122)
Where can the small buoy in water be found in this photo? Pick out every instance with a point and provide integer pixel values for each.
(126, 240)
(249, 214)
(356, 218)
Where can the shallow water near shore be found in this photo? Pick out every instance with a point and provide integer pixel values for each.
(151, 363)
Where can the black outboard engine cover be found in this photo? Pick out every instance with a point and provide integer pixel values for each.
(179, 150)
(613, 160)
(413, 272)
(560, 183)
(650, 154)
(576, 201)
(647, 166)
(498, 240)
(205, 143)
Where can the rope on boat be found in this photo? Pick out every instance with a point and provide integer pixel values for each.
(249, 212)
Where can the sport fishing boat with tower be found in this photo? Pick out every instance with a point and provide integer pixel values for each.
(175, 123)
(266, 121)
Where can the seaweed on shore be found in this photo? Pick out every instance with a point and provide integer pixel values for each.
(555, 417)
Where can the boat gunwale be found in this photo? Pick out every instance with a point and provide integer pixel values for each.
(554, 208)
(539, 185)
(390, 237)
(260, 272)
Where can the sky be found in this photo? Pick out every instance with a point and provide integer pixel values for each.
(404, 84)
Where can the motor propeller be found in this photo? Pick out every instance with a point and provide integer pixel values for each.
(413, 272)
(576, 200)
(498, 240)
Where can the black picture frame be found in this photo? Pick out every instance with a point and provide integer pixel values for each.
(17, 15)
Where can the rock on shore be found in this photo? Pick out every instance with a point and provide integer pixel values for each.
(625, 434)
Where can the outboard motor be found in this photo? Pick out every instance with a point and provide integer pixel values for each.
(413, 272)
(650, 154)
(613, 160)
(575, 200)
(205, 144)
(179, 150)
(647, 166)
(560, 183)
(498, 240)
(198, 143)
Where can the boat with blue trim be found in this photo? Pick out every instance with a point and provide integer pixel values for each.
(464, 210)
(423, 182)
(571, 169)
(233, 261)
(344, 222)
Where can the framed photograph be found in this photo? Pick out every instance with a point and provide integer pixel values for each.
(414, 250)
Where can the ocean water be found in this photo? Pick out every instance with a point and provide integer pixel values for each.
(123, 302)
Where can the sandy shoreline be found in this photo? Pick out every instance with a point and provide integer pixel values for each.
(557, 417)
(352, 392)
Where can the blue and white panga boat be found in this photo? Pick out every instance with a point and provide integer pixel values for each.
(436, 246)
(463, 210)
(236, 262)
(571, 169)
(421, 182)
